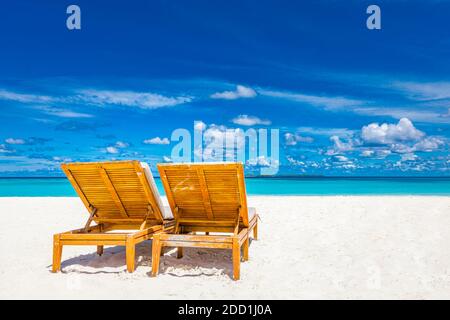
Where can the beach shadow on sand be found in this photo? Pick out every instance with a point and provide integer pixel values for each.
(195, 261)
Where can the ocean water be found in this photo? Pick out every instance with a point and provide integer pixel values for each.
(60, 187)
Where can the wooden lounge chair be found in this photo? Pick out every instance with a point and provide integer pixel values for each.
(206, 197)
(123, 201)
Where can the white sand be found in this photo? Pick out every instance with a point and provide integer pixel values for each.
(309, 247)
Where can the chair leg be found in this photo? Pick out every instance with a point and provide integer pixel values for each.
(245, 249)
(130, 254)
(236, 259)
(99, 250)
(57, 254)
(179, 252)
(255, 231)
(156, 253)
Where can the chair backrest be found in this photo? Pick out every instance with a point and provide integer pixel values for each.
(117, 190)
(205, 191)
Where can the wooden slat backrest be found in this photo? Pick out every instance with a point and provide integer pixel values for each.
(116, 189)
(205, 191)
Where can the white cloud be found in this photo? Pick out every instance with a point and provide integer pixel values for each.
(295, 162)
(25, 98)
(62, 159)
(429, 116)
(63, 113)
(199, 125)
(424, 90)
(223, 135)
(292, 139)
(341, 158)
(262, 161)
(401, 148)
(385, 133)
(130, 98)
(167, 159)
(326, 131)
(383, 153)
(5, 149)
(121, 144)
(144, 100)
(15, 141)
(408, 157)
(220, 142)
(340, 146)
(379, 141)
(115, 149)
(240, 92)
(246, 120)
(112, 150)
(326, 102)
(376, 153)
(428, 144)
(157, 140)
(382, 140)
(367, 153)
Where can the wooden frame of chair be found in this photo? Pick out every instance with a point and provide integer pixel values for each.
(206, 197)
(118, 197)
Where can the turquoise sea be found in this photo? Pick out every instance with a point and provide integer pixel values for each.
(60, 187)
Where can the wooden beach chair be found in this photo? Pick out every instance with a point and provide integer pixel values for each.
(122, 199)
(207, 197)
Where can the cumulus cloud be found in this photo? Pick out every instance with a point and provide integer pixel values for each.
(408, 157)
(199, 125)
(340, 146)
(379, 141)
(240, 92)
(429, 144)
(367, 153)
(262, 161)
(116, 148)
(221, 141)
(376, 153)
(385, 133)
(157, 140)
(112, 150)
(246, 120)
(383, 153)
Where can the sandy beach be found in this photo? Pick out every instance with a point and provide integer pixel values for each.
(334, 247)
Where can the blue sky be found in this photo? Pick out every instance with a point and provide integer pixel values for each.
(347, 100)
